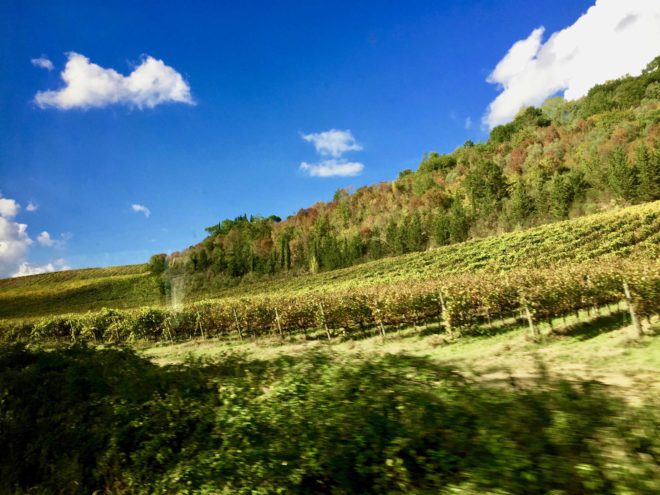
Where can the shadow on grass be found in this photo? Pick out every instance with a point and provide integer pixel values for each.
(79, 420)
(585, 330)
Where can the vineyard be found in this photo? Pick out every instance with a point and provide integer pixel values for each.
(459, 302)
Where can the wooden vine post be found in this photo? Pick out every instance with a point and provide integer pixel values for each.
(530, 320)
(325, 324)
(199, 325)
(238, 325)
(631, 307)
(381, 327)
(443, 310)
(277, 320)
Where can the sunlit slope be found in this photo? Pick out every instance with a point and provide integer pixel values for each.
(78, 290)
(620, 232)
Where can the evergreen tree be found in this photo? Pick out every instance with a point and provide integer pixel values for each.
(285, 253)
(441, 228)
(459, 222)
(521, 204)
(539, 191)
(561, 196)
(394, 236)
(648, 169)
(415, 237)
(622, 178)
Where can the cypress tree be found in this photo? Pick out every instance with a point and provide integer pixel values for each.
(648, 169)
(459, 222)
(561, 196)
(441, 231)
(622, 178)
(521, 203)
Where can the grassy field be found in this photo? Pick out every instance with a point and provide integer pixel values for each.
(75, 291)
(621, 232)
(603, 347)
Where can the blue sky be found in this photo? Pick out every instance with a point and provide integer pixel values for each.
(402, 77)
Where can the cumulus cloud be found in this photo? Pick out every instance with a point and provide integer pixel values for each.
(14, 240)
(88, 85)
(138, 208)
(8, 207)
(31, 207)
(44, 239)
(333, 142)
(26, 268)
(43, 62)
(332, 168)
(612, 39)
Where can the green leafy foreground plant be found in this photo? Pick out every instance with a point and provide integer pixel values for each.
(76, 420)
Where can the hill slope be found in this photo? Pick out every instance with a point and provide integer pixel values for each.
(562, 160)
(73, 291)
(620, 232)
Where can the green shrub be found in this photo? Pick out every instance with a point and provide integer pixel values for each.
(77, 420)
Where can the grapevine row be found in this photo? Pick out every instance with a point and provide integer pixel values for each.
(459, 301)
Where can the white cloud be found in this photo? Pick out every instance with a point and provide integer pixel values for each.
(26, 268)
(31, 207)
(44, 239)
(14, 240)
(89, 85)
(8, 207)
(468, 123)
(332, 168)
(138, 208)
(612, 39)
(333, 142)
(43, 62)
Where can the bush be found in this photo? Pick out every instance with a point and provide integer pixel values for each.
(77, 420)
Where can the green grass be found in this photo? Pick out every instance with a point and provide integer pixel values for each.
(601, 347)
(78, 291)
(80, 420)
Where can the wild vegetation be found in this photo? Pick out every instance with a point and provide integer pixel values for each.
(78, 420)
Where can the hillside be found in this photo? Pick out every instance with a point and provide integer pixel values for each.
(620, 233)
(560, 161)
(78, 290)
